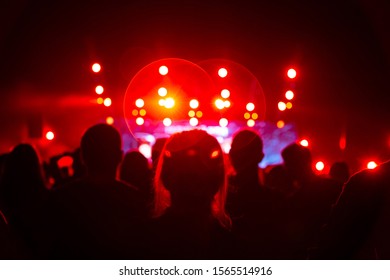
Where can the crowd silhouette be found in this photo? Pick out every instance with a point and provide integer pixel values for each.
(191, 201)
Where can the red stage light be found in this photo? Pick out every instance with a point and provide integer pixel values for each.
(139, 103)
(162, 91)
(99, 89)
(223, 122)
(110, 120)
(96, 67)
(304, 143)
(282, 106)
(50, 135)
(320, 166)
(107, 102)
(372, 165)
(289, 95)
(222, 72)
(250, 106)
(291, 73)
(163, 70)
(225, 93)
(194, 103)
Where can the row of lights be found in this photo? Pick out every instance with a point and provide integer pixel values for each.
(289, 95)
(99, 90)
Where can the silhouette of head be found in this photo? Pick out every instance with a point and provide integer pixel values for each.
(101, 149)
(246, 150)
(135, 169)
(22, 173)
(298, 162)
(339, 171)
(191, 168)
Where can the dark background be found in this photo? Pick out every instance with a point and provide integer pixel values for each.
(341, 50)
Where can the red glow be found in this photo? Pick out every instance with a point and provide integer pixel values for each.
(50, 135)
(96, 67)
(146, 150)
(222, 72)
(219, 104)
(65, 161)
(169, 103)
(99, 100)
(291, 73)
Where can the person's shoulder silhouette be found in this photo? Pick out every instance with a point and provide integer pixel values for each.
(359, 226)
(98, 215)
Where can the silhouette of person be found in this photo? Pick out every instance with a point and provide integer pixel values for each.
(98, 217)
(23, 195)
(249, 203)
(191, 222)
(156, 151)
(308, 208)
(339, 171)
(136, 171)
(359, 227)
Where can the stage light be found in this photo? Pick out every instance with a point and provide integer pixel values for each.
(223, 122)
(247, 116)
(219, 104)
(50, 135)
(289, 95)
(99, 89)
(320, 166)
(288, 105)
(96, 67)
(282, 106)
(372, 165)
(194, 103)
(100, 100)
(280, 124)
(194, 121)
(191, 114)
(139, 121)
(169, 103)
(167, 122)
(134, 112)
(110, 120)
(145, 149)
(162, 91)
(163, 70)
(291, 73)
(304, 143)
(161, 102)
(199, 114)
(142, 112)
(107, 102)
(222, 72)
(226, 104)
(250, 106)
(225, 93)
(255, 116)
(250, 123)
(139, 103)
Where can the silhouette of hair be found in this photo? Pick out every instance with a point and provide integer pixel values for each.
(339, 171)
(156, 150)
(101, 148)
(135, 170)
(191, 171)
(22, 169)
(297, 160)
(246, 149)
